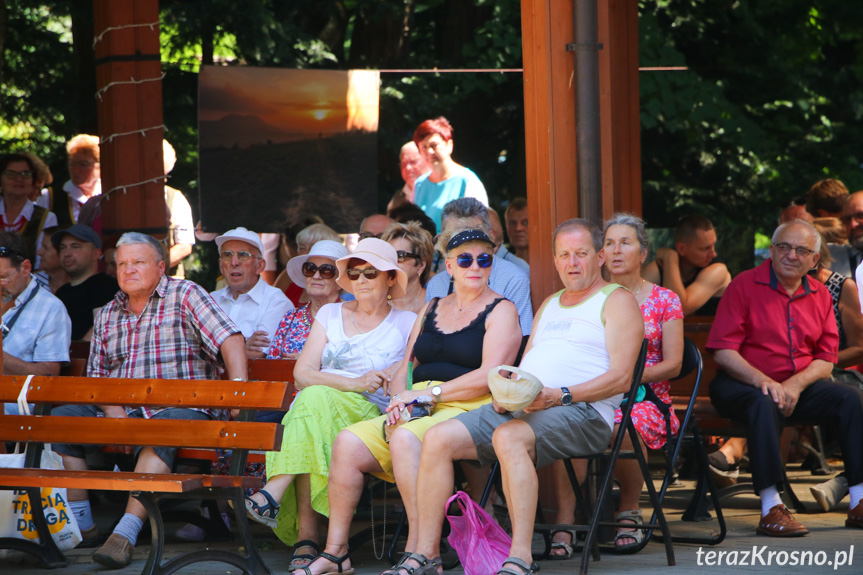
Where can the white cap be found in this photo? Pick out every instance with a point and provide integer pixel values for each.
(243, 235)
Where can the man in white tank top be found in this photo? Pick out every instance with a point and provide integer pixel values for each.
(583, 348)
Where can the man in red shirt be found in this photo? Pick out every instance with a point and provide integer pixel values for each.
(775, 340)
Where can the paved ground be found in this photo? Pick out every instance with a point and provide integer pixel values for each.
(828, 542)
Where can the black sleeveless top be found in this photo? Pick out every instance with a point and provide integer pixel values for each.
(711, 305)
(446, 356)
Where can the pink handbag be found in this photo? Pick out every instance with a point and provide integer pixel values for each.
(481, 544)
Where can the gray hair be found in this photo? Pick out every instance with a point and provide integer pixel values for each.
(317, 232)
(137, 238)
(576, 223)
(803, 223)
(465, 209)
(634, 222)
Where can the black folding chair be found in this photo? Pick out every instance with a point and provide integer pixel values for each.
(602, 465)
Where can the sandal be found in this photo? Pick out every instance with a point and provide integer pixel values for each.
(425, 566)
(568, 548)
(525, 568)
(633, 515)
(300, 560)
(332, 559)
(265, 514)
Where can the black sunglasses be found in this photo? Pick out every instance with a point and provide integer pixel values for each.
(327, 271)
(10, 253)
(403, 255)
(466, 260)
(355, 273)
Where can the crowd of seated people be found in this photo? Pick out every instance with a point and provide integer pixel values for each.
(406, 304)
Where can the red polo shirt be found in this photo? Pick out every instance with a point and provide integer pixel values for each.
(776, 333)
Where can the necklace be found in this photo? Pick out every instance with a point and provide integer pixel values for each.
(355, 323)
(638, 291)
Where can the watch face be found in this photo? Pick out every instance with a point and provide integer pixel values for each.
(436, 390)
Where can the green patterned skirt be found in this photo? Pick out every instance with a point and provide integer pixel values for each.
(311, 426)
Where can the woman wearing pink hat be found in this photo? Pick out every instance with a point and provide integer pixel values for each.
(343, 372)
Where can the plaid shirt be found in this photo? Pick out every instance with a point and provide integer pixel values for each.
(177, 336)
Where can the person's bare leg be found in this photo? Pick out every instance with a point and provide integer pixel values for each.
(77, 464)
(350, 460)
(405, 448)
(733, 449)
(477, 479)
(515, 446)
(307, 518)
(628, 475)
(565, 499)
(442, 445)
(275, 486)
(148, 462)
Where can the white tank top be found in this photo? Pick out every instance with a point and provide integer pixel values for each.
(569, 347)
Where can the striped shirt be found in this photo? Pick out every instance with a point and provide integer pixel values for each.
(177, 336)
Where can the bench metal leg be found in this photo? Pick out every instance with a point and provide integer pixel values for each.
(250, 562)
(45, 550)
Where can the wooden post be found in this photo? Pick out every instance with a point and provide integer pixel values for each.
(128, 78)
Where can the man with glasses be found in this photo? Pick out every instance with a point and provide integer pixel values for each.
(255, 306)
(775, 341)
(80, 249)
(36, 327)
(18, 213)
(84, 180)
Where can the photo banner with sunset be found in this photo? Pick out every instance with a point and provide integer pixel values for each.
(278, 146)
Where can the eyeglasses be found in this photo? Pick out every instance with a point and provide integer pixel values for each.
(5, 281)
(355, 273)
(403, 255)
(327, 271)
(858, 218)
(784, 248)
(16, 175)
(466, 260)
(367, 235)
(243, 257)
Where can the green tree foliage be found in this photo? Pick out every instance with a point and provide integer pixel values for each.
(770, 104)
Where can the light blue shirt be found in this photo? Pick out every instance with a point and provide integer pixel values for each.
(43, 331)
(506, 279)
(504, 254)
(432, 197)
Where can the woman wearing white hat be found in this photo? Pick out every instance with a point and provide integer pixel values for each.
(460, 338)
(316, 273)
(343, 372)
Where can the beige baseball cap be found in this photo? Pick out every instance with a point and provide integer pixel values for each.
(513, 394)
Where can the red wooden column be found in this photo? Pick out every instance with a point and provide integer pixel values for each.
(128, 78)
(550, 130)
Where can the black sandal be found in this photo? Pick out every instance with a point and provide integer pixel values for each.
(425, 566)
(394, 570)
(306, 557)
(265, 514)
(332, 559)
(525, 568)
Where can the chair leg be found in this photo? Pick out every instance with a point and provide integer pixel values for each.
(654, 498)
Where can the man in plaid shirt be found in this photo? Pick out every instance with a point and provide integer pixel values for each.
(156, 327)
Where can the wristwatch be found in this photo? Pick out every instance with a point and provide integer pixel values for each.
(565, 396)
(436, 391)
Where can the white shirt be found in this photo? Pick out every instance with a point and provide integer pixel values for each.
(78, 196)
(261, 308)
(858, 276)
(27, 214)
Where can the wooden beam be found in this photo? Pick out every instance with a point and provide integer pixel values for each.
(130, 115)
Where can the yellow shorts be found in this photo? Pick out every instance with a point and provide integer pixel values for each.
(371, 433)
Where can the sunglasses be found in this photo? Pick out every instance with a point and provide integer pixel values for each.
(243, 257)
(367, 235)
(466, 260)
(403, 255)
(355, 273)
(327, 271)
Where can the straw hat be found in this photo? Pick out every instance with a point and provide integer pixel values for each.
(513, 394)
(324, 249)
(382, 256)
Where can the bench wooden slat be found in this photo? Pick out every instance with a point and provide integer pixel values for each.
(213, 456)
(272, 369)
(270, 395)
(105, 480)
(153, 432)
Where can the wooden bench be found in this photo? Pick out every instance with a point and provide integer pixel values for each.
(240, 436)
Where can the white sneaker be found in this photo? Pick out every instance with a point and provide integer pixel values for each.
(830, 493)
(191, 532)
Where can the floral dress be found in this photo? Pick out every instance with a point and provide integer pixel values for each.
(661, 306)
(292, 332)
